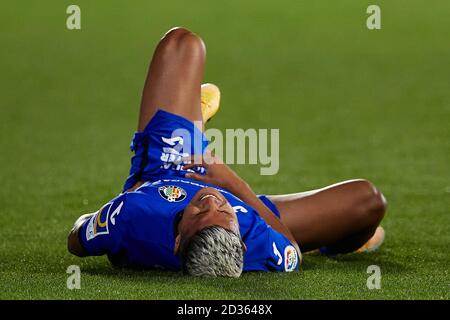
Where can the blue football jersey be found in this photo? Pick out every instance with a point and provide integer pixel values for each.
(137, 229)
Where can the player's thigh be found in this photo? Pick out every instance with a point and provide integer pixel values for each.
(328, 214)
(174, 77)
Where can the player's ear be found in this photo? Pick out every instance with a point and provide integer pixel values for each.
(176, 247)
(244, 247)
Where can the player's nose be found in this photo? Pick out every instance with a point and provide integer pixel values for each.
(211, 202)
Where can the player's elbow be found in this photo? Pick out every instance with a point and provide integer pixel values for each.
(70, 243)
(74, 245)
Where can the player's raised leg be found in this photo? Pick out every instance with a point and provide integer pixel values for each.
(173, 85)
(341, 217)
(174, 77)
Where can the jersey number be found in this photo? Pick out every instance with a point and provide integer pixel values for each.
(277, 253)
(239, 209)
(115, 213)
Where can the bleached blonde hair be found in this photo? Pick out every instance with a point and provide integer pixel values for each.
(215, 252)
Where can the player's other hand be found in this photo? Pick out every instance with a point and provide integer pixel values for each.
(217, 172)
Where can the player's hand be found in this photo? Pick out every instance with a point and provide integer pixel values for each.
(217, 172)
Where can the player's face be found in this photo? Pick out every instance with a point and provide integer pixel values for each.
(208, 208)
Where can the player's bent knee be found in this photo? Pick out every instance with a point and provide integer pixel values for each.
(372, 203)
(376, 203)
(191, 47)
(180, 42)
(174, 34)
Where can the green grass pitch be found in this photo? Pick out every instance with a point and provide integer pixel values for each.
(349, 103)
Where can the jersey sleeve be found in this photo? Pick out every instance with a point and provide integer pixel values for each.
(284, 256)
(103, 232)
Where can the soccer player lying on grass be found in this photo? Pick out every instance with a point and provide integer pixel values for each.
(203, 218)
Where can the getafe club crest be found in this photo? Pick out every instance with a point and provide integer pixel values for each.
(172, 193)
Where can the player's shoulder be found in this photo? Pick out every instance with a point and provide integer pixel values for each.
(145, 191)
(130, 201)
(146, 201)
